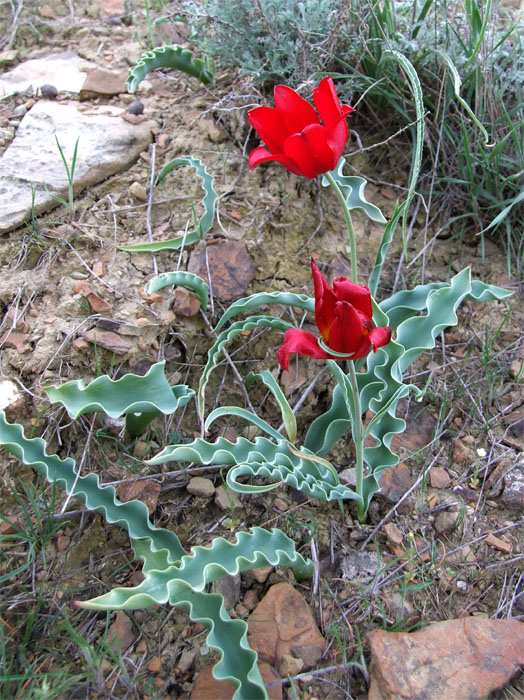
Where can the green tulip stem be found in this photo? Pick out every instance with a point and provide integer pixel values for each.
(358, 439)
(349, 224)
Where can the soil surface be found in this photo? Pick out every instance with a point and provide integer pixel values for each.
(469, 428)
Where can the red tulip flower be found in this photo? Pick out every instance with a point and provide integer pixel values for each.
(294, 135)
(343, 315)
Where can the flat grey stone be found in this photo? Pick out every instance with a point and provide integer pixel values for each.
(66, 71)
(106, 145)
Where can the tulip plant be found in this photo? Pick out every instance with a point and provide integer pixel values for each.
(309, 142)
(366, 345)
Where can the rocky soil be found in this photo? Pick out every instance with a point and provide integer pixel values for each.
(444, 542)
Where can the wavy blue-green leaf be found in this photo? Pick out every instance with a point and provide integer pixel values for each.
(290, 422)
(139, 398)
(353, 190)
(171, 57)
(133, 516)
(204, 225)
(276, 460)
(243, 413)
(415, 334)
(226, 337)
(256, 301)
(180, 278)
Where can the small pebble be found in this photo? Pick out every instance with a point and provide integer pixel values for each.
(138, 191)
(136, 107)
(49, 92)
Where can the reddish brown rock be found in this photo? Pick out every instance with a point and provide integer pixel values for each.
(462, 659)
(227, 263)
(103, 82)
(281, 621)
(394, 482)
(439, 478)
(108, 340)
(206, 687)
(121, 633)
(112, 8)
(185, 302)
(145, 490)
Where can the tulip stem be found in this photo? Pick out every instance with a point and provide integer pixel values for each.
(358, 434)
(349, 224)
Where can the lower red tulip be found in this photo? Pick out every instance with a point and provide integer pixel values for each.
(344, 317)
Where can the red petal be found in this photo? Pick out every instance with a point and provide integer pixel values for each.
(357, 295)
(300, 342)
(296, 148)
(379, 337)
(296, 112)
(262, 155)
(346, 332)
(325, 301)
(326, 101)
(320, 149)
(270, 126)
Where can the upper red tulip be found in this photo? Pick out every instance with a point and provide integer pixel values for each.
(344, 318)
(294, 135)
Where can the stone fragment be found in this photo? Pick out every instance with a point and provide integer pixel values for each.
(138, 191)
(8, 56)
(310, 656)
(206, 687)
(497, 543)
(261, 574)
(186, 660)
(439, 478)
(200, 486)
(65, 71)
(281, 621)
(16, 340)
(251, 599)
(393, 534)
(227, 499)
(227, 263)
(185, 302)
(445, 521)
(394, 482)
(462, 659)
(290, 666)
(420, 427)
(229, 589)
(121, 633)
(111, 8)
(102, 82)
(155, 665)
(513, 494)
(145, 490)
(136, 107)
(99, 305)
(107, 340)
(106, 145)
(361, 566)
(9, 393)
(48, 92)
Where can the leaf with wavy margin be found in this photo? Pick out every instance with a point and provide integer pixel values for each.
(183, 279)
(255, 301)
(277, 461)
(171, 575)
(139, 398)
(133, 516)
(353, 190)
(171, 57)
(204, 225)
(226, 337)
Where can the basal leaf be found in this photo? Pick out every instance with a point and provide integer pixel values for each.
(171, 57)
(256, 301)
(204, 225)
(181, 278)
